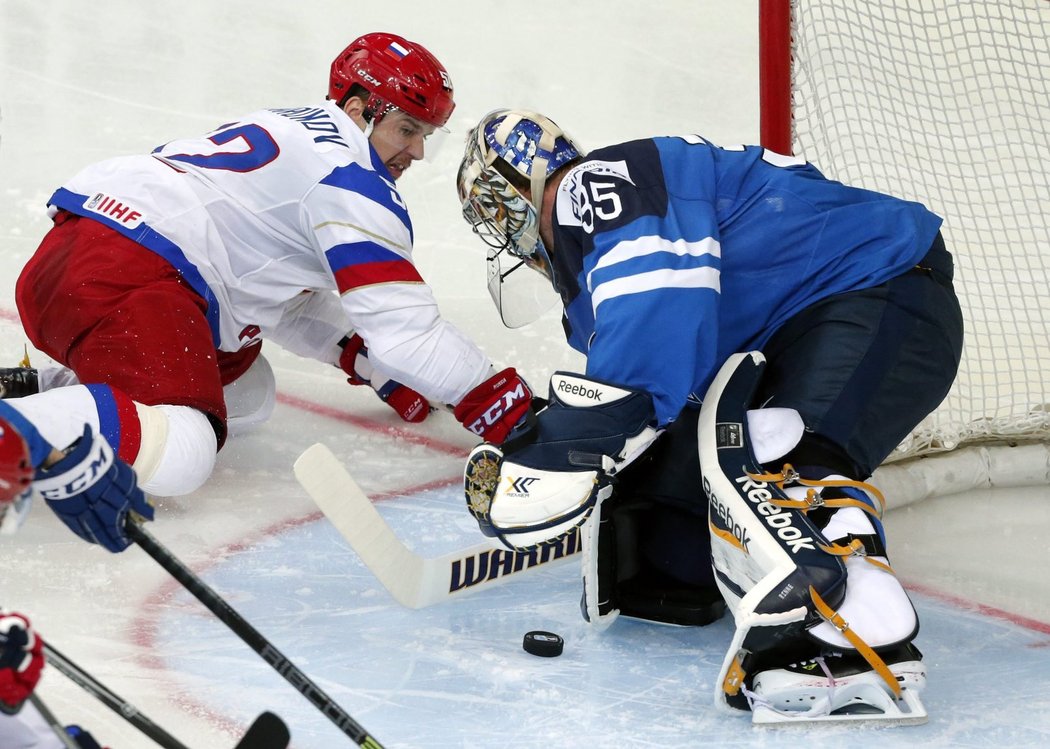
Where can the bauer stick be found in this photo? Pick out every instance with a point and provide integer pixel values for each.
(251, 636)
(267, 731)
(413, 580)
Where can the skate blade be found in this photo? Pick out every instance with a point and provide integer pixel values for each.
(907, 711)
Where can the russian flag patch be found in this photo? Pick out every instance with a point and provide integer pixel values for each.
(396, 51)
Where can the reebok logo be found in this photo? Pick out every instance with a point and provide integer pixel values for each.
(780, 521)
(582, 391)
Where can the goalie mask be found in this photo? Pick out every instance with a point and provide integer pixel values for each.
(508, 149)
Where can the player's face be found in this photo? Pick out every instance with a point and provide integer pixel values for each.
(399, 139)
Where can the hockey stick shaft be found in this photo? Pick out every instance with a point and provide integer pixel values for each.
(110, 699)
(414, 581)
(56, 726)
(251, 636)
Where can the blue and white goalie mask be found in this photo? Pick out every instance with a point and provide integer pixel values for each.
(523, 147)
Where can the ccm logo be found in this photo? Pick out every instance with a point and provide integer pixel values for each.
(498, 410)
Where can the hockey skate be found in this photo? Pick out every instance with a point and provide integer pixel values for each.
(17, 382)
(840, 687)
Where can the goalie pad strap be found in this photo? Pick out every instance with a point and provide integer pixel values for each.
(832, 617)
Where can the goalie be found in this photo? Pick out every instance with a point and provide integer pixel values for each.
(670, 254)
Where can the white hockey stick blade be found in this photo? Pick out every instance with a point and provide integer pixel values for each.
(413, 580)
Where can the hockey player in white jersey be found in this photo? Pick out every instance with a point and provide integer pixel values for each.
(165, 271)
(672, 257)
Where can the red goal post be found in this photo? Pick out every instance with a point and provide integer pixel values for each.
(947, 103)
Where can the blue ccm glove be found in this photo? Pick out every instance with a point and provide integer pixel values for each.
(92, 491)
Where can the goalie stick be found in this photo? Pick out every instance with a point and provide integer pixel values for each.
(250, 636)
(413, 580)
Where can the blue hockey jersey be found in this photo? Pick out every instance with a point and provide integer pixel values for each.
(672, 253)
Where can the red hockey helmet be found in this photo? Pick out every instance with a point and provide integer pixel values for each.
(16, 468)
(396, 73)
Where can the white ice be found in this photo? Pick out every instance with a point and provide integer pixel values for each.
(83, 81)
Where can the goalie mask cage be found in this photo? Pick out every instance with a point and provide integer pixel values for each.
(945, 102)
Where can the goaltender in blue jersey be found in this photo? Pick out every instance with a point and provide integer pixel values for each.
(759, 339)
(699, 225)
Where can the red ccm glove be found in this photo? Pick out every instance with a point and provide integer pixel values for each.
(409, 405)
(496, 406)
(21, 661)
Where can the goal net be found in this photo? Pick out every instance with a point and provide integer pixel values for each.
(946, 103)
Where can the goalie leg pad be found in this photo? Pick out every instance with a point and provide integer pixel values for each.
(766, 556)
(782, 577)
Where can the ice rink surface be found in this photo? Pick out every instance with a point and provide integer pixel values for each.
(84, 81)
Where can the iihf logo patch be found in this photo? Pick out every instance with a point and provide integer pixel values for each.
(729, 435)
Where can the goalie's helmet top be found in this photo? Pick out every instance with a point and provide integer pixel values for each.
(397, 73)
(16, 468)
(507, 151)
(528, 144)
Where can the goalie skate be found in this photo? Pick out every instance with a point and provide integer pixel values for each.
(840, 688)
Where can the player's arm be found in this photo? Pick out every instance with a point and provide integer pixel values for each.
(396, 318)
(315, 325)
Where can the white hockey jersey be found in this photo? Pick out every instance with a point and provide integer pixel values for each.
(282, 202)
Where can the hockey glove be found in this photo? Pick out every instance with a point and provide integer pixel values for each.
(21, 661)
(550, 474)
(409, 405)
(92, 491)
(496, 407)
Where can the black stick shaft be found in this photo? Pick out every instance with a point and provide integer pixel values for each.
(110, 699)
(251, 636)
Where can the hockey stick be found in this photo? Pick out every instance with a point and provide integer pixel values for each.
(110, 699)
(268, 731)
(53, 723)
(251, 636)
(413, 580)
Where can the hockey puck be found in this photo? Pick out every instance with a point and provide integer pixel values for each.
(543, 644)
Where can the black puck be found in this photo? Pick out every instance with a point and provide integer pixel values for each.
(544, 644)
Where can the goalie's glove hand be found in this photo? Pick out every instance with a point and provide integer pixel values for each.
(550, 473)
(92, 491)
(21, 660)
(409, 405)
(496, 407)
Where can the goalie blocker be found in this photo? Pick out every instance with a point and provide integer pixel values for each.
(823, 627)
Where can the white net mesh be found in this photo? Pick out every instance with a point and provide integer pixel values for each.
(947, 103)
